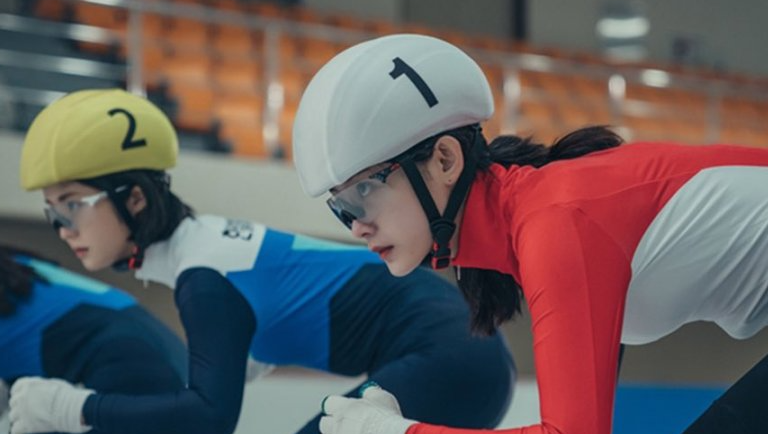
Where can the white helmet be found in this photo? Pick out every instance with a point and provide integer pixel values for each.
(379, 98)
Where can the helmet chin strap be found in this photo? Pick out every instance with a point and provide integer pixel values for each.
(134, 261)
(119, 199)
(442, 226)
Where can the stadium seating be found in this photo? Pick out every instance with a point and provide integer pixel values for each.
(218, 76)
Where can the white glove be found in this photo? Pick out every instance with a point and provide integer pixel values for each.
(4, 392)
(377, 412)
(41, 405)
(256, 369)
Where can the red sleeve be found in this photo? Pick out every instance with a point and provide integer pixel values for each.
(575, 280)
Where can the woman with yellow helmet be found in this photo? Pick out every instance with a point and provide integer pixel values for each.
(241, 289)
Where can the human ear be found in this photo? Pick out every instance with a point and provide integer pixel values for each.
(447, 160)
(136, 201)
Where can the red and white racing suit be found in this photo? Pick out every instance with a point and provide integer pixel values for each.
(620, 246)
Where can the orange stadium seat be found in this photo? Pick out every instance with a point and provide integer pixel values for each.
(743, 120)
(649, 128)
(304, 15)
(602, 114)
(217, 73)
(232, 41)
(739, 109)
(490, 43)
(100, 16)
(318, 51)
(588, 88)
(457, 38)
(54, 10)
(742, 135)
(105, 17)
(238, 109)
(495, 76)
(527, 79)
(229, 5)
(347, 22)
(521, 47)
(293, 80)
(417, 28)
(689, 131)
(383, 27)
(244, 76)
(246, 140)
(289, 48)
(557, 85)
(536, 114)
(694, 103)
(195, 106)
(187, 35)
(573, 114)
(649, 94)
(241, 119)
(151, 26)
(152, 57)
(266, 9)
(492, 127)
(186, 69)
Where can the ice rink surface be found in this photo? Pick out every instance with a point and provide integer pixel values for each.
(284, 401)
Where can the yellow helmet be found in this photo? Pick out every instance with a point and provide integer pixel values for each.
(91, 133)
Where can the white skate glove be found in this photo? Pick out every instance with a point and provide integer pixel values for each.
(256, 369)
(377, 412)
(41, 405)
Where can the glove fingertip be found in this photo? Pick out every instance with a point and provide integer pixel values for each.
(334, 404)
(322, 404)
(17, 429)
(365, 386)
(14, 401)
(327, 425)
(22, 384)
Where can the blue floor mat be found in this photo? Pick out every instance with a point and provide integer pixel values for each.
(660, 410)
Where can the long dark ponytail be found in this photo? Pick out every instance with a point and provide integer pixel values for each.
(495, 297)
(16, 280)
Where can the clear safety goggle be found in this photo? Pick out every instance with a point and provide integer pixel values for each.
(360, 200)
(66, 214)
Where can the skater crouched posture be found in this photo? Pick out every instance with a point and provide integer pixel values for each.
(241, 288)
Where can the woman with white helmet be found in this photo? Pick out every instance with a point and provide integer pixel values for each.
(241, 289)
(608, 244)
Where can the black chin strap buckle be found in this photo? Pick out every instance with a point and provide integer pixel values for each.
(442, 232)
(441, 258)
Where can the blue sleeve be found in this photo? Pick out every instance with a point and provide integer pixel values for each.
(219, 325)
